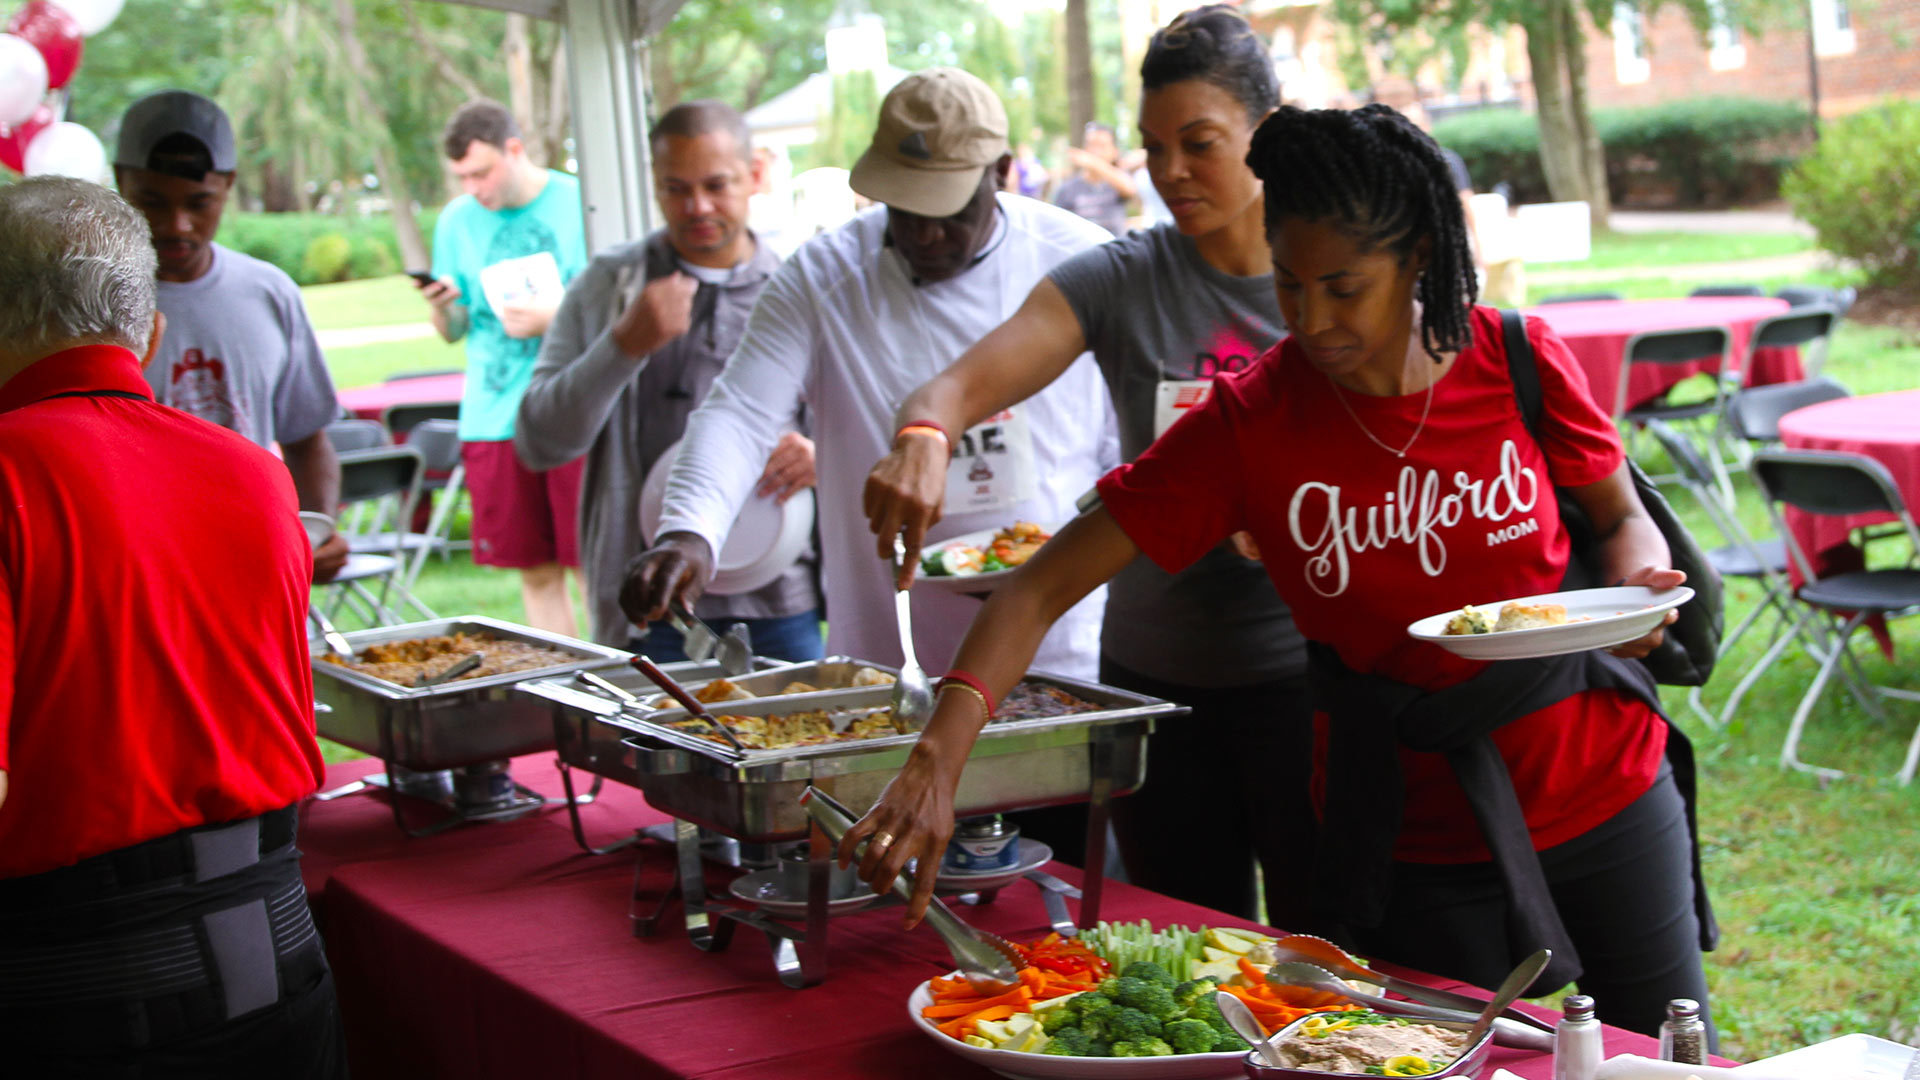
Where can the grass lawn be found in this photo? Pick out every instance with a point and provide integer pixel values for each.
(385, 301)
(1622, 250)
(1817, 886)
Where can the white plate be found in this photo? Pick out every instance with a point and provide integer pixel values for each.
(1614, 617)
(968, 584)
(762, 889)
(318, 525)
(765, 539)
(1033, 855)
(1021, 1066)
(1850, 1057)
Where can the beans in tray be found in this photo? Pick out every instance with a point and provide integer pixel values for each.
(407, 662)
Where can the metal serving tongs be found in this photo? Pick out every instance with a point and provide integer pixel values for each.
(692, 704)
(989, 962)
(698, 640)
(1506, 1032)
(452, 671)
(1325, 954)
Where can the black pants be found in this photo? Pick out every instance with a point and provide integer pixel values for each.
(1624, 890)
(141, 1012)
(1226, 786)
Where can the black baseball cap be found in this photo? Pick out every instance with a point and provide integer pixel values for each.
(158, 117)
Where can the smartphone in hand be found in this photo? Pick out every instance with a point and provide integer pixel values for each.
(422, 278)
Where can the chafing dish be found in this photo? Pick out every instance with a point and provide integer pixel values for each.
(466, 722)
(754, 795)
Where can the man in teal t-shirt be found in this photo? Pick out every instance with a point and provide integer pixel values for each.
(502, 256)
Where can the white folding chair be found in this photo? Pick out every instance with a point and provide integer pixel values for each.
(1833, 607)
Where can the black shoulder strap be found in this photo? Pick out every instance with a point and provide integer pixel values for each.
(101, 393)
(1523, 369)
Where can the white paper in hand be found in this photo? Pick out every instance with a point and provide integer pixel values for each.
(516, 281)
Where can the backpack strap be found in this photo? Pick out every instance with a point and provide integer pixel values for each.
(1523, 369)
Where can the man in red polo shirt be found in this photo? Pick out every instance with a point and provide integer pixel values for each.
(156, 723)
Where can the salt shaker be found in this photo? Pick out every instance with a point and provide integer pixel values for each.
(1683, 1035)
(1577, 1049)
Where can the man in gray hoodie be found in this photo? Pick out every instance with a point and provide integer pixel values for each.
(639, 338)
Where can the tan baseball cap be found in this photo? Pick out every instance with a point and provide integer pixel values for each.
(939, 130)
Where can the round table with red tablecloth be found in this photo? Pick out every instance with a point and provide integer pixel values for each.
(1884, 427)
(1597, 331)
(372, 402)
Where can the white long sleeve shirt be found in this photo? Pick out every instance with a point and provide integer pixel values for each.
(843, 329)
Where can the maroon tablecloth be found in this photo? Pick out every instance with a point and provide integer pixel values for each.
(1597, 332)
(371, 402)
(1884, 427)
(501, 950)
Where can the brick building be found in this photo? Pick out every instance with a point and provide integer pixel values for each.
(1868, 50)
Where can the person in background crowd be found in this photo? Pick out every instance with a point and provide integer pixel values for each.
(1166, 311)
(502, 255)
(1028, 176)
(640, 338)
(1474, 812)
(156, 716)
(240, 352)
(1098, 188)
(856, 319)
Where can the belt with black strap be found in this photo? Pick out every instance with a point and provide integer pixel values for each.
(199, 926)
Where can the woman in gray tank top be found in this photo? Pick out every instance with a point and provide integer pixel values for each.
(1163, 311)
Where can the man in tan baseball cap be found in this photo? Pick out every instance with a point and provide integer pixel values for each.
(939, 131)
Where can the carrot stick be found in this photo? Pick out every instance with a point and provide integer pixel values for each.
(1019, 995)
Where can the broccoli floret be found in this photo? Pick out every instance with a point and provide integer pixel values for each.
(1131, 1024)
(1228, 1042)
(1055, 1020)
(1142, 1048)
(1067, 1042)
(1191, 1036)
(1119, 989)
(1150, 998)
(1194, 990)
(1149, 971)
(1099, 1048)
(1097, 1014)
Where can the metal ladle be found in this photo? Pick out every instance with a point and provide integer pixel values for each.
(912, 692)
(1505, 1032)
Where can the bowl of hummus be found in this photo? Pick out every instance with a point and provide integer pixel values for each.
(1362, 1044)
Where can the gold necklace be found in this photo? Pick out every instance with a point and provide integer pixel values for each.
(1402, 452)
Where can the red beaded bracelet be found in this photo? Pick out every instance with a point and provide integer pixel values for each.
(972, 682)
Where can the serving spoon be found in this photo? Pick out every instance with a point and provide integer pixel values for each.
(912, 692)
(1244, 1024)
(1518, 979)
(1505, 1032)
(1325, 954)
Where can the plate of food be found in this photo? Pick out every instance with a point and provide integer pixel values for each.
(977, 562)
(1123, 1001)
(1550, 624)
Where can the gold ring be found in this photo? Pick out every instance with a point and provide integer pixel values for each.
(884, 839)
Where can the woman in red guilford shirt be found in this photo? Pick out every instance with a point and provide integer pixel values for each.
(1473, 812)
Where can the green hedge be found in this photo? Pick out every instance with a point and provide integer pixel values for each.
(1712, 151)
(1860, 189)
(317, 248)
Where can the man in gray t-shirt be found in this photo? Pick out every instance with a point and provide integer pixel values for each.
(237, 349)
(1162, 323)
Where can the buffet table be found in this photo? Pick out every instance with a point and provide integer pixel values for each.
(1596, 331)
(500, 950)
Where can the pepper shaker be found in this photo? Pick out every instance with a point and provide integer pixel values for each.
(1683, 1035)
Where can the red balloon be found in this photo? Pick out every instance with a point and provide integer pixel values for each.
(14, 140)
(55, 33)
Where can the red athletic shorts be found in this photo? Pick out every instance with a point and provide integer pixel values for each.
(522, 518)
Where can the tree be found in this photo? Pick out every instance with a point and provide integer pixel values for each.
(1570, 152)
(1079, 70)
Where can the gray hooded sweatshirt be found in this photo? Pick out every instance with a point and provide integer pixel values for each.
(588, 397)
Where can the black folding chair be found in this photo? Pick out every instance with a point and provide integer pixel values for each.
(402, 419)
(1579, 297)
(1763, 562)
(1687, 346)
(1830, 483)
(438, 442)
(1728, 290)
(1808, 328)
(352, 434)
(1840, 300)
(1753, 414)
(385, 475)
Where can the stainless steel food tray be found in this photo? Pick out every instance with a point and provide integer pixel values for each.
(831, 673)
(465, 722)
(753, 796)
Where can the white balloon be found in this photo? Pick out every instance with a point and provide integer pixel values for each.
(23, 79)
(67, 149)
(92, 15)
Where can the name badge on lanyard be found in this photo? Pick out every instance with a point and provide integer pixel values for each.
(992, 466)
(1174, 398)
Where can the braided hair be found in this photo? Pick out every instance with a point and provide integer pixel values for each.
(1383, 183)
(1213, 44)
